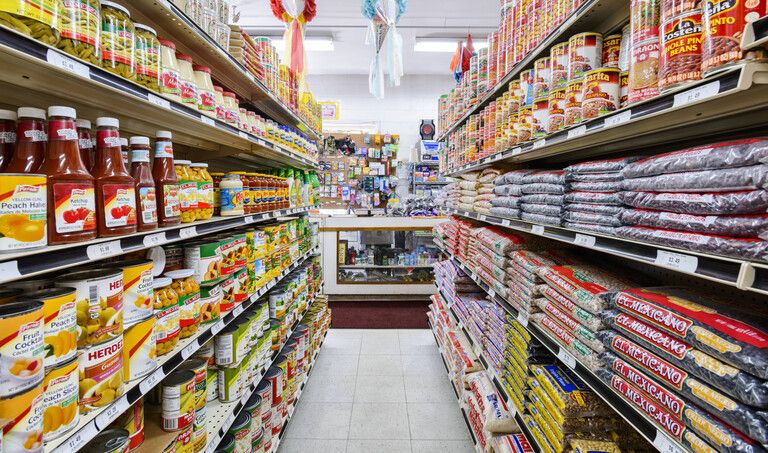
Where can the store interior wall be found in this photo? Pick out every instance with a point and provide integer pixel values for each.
(400, 112)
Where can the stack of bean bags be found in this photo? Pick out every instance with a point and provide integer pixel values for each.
(508, 192)
(688, 362)
(485, 191)
(543, 197)
(592, 201)
(709, 199)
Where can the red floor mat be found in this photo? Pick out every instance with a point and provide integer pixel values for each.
(379, 314)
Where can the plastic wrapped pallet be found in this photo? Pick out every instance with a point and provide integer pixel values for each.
(739, 202)
(726, 225)
(743, 248)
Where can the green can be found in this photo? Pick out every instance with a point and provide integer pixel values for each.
(241, 431)
(230, 384)
(227, 444)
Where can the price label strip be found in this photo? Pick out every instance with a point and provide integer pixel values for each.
(9, 270)
(577, 131)
(697, 94)
(677, 261)
(157, 100)
(68, 64)
(188, 232)
(112, 412)
(664, 445)
(153, 240)
(104, 250)
(567, 358)
(537, 229)
(207, 120)
(151, 381)
(78, 441)
(619, 118)
(584, 240)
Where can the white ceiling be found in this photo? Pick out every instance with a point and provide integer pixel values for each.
(343, 20)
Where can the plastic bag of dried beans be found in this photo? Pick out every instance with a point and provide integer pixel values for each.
(538, 218)
(543, 198)
(604, 198)
(556, 189)
(592, 218)
(740, 202)
(545, 177)
(542, 209)
(721, 180)
(594, 208)
(591, 228)
(743, 248)
(726, 225)
(597, 186)
(593, 177)
(600, 166)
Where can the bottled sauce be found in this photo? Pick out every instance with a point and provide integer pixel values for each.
(221, 110)
(31, 141)
(246, 190)
(7, 137)
(115, 191)
(231, 109)
(71, 191)
(204, 191)
(187, 191)
(258, 194)
(146, 199)
(170, 80)
(124, 151)
(86, 143)
(231, 195)
(188, 85)
(217, 177)
(206, 98)
(166, 182)
(254, 189)
(244, 123)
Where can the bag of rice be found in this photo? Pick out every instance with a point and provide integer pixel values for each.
(545, 177)
(511, 443)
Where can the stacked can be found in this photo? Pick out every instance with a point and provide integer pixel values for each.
(723, 25)
(177, 394)
(681, 40)
(199, 367)
(644, 50)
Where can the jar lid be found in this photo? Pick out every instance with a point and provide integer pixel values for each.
(8, 115)
(58, 110)
(83, 124)
(230, 94)
(146, 27)
(164, 134)
(105, 121)
(201, 68)
(185, 57)
(138, 140)
(181, 162)
(30, 112)
(180, 273)
(160, 282)
(218, 88)
(123, 142)
(198, 165)
(167, 43)
(116, 6)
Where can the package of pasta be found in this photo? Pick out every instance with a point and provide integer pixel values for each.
(743, 248)
(593, 177)
(749, 421)
(591, 217)
(589, 320)
(739, 202)
(722, 180)
(733, 381)
(730, 154)
(591, 228)
(538, 435)
(730, 337)
(542, 209)
(727, 225)
(543, 198)
(596, 186)
(604, 209)
(510, 213)
(511, 443)
(568, 340)
(694, 426)
(541, 187)
(566, 321)
(507, 190)
(583, 284)
(538, 218)
(554, 437)
(545, 177)
(602, 198)
(567, 392)
(600, 166)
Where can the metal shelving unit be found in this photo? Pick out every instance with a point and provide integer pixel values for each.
(34, 262)
(95, 421)
(717, 107)
(376, 266)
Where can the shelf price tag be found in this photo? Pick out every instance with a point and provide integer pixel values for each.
(208, 120)
(505, 222)
(619, 118)
(151, 381)
(584, 240)
(9, 270)
(577, 131)
(517, 150)
(77, 441)
(188, 232)
(664, 445)
(228, 422)
(537, 229)
(249, 219)
(68, 64)
(152, 240)
(189, 350)
(491, 293)
(567, 358)
(216, 328)
(522, 318)
(242, 134)
(539, 143)
(697, 94)
(482, 218)
(237, 311)
(677, 261)
(157, 100)
(112, 412)
(103, 250)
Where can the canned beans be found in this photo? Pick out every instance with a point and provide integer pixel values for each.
(558, 56)
(673, 8)
(573, 93)
(556, 110)
(644, 70)
(680, 60)
(611, 51)
(600, 93)
(724, 22)
(585, 52)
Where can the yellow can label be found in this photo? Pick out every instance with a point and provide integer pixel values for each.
(137, 292)
(60, 332)
(22, 351)
(45, 11)
(24, 412)
(23, 201)
(139, 350)
(60, 409)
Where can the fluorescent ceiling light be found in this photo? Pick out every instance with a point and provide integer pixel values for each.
(443, 45)
(310, 44)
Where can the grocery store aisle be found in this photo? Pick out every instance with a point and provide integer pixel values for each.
(378, 391)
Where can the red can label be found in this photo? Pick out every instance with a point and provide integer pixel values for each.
(644, 70)
(611, 49)
(556, 110)
(573, 94)
(680, 50)
(601, 92)
(644, 19)
(724, 22)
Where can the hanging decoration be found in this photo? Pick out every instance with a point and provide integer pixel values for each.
(384, 15)
(461, 58)
(296, 14)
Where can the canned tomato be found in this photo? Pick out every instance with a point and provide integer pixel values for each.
(22, 349)
(178, 400)
(644, 71)
(601, 93)
(140, 349)
(138, 296)
(724, 22)
(556, 110)
(276, 377)
(585, 51)
(230, 384)
(558, 56)
(60, 329)
(23, 211)
(264, 390)
(23, 417)
(204, 258)
(623, 88)
(109, 441)
(132, 420)
(99, 304)
(611, 51)
(680, 60)
(60, 391)
(542, 77)
(644, 20)
(540, 117)
(241, 431)
(101, 374)
(229, 286)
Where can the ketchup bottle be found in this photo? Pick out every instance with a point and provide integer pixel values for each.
(7, 137)
(166, 182)
(71, 198)
(146, 198)
(86, 144)
(115, 191)
(30, 141)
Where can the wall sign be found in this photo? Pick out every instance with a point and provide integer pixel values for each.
(330, 110)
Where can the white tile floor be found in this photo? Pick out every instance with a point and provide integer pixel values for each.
(377, 391)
